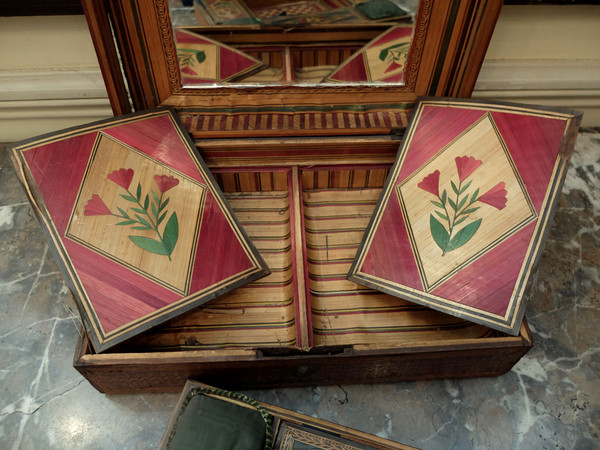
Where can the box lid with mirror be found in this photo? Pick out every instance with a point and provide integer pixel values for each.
(356, 78)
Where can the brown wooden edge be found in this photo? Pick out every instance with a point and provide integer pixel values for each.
(102, 38)
(120, 373)
(285, 415)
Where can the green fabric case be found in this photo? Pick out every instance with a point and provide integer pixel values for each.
(212, 424)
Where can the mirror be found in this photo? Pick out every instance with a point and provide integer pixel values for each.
(241, 43)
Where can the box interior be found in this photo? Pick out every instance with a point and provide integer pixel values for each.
(307, 221)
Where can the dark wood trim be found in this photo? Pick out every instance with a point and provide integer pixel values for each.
(41, 8)
(127, 373)
(100, 30)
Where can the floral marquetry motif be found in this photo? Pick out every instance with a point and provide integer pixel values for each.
(143, 232)
(474, 186)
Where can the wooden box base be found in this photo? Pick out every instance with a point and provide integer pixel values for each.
(304, 324)
(125, 373)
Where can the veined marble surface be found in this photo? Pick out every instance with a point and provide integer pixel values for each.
(550, 399)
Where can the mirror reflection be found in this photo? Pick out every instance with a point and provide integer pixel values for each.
(283, 42)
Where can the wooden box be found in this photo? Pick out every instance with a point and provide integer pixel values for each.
(304, 323)
(302, 167)
(209, 418)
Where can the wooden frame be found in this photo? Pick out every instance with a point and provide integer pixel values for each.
(450, 41)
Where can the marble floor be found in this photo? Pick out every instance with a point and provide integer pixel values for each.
(550, 399)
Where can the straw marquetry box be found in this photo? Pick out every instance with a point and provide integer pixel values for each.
(306, 323)
(301, 129)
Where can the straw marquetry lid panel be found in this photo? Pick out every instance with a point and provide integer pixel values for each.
(464, 214)
(142, 231)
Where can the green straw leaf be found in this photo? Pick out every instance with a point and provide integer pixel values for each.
(439, 233)
(151, 245)
(171, 233)
(443, 216)
(465, 187)
(129, 198)
(464, 235)
(454, 188)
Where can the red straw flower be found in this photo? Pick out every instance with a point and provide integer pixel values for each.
(466, 165)
(495, 197)
(431, 183)
(96, 207)
(165, 182)
(122, 177)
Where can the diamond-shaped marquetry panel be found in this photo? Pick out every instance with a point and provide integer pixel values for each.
(142, 232)
(462, 203)
(464, 214)
(133, 231)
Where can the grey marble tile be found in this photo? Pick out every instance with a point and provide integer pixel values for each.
(550, 399)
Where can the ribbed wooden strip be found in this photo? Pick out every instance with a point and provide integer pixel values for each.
(266, 216)
(322, 285)
(348, 302)
(331, 254)
(255, 294)
(276, 121)
(261, 231)
(238, 327)
(209, 320)
(340, 224)
(326, 240)
(252, 182)
(351, 195)
(239, 302)
(344, 312)
(271, 243)
(398, 336)
(422, 320)
(276, 199)
(318, 269)
(277, 277)
(341, 211)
